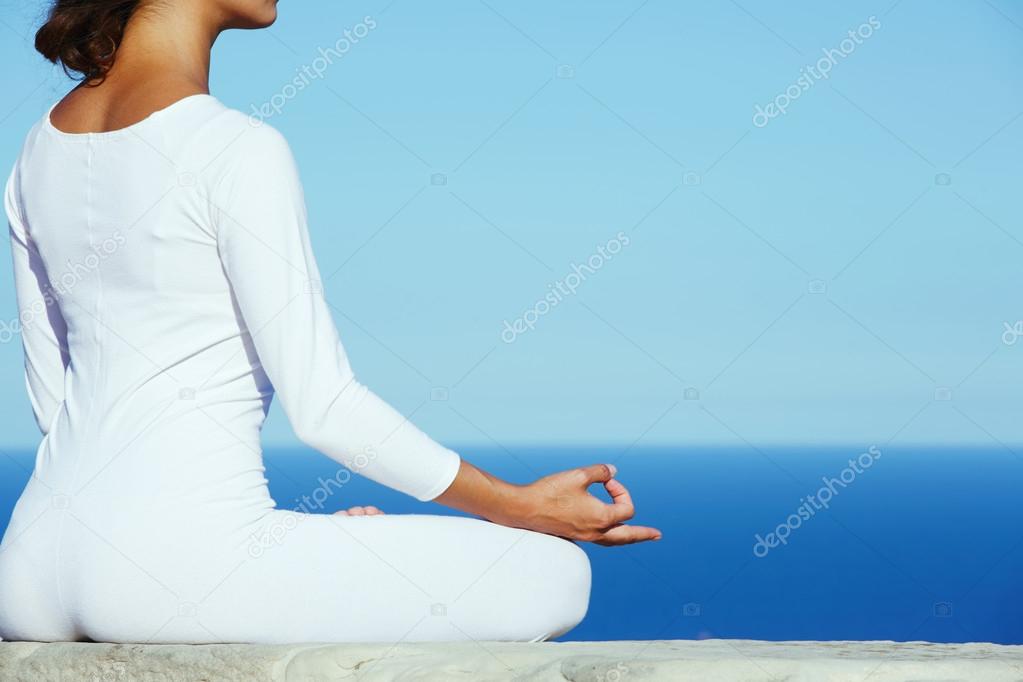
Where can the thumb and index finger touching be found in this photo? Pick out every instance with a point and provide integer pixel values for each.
(621, 504)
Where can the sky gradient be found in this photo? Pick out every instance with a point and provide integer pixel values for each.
(848, 271)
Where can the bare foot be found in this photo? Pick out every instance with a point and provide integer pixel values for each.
(359, 511)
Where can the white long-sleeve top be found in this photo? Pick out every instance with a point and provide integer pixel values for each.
(167, 288)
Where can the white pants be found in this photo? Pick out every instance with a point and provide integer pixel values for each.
(70, 573)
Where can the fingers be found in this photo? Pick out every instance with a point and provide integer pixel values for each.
(359, 511)
(628, 535)
(622, 508)
(597, 473)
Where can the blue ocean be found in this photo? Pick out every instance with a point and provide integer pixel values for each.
(922, 543)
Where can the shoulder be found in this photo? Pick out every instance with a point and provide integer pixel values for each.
(227, 138)
(246, 173)
(12, 187)
(10, 202)
(234, 155)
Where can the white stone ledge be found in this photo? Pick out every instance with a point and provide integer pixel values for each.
(675, 660)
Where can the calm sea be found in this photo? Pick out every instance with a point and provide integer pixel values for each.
(913, 543)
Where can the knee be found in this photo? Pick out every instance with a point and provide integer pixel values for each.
(535, 586)
(568, 595)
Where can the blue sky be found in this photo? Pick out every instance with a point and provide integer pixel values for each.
(843, 273)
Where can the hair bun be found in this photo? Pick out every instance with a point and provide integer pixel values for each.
(83, 35)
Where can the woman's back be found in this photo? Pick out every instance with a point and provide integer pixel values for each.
(119, 229)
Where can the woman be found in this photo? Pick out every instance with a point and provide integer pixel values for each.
(167, 289)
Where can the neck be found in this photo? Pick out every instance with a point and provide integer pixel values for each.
(165, 46)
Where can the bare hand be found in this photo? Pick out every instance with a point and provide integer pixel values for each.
(560, 504)
(359, 511)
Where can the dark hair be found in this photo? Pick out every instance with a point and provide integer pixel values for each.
(83, 35)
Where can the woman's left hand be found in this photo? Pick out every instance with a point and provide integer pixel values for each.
(359, 511)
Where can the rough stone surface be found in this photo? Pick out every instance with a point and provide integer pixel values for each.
(676, 660)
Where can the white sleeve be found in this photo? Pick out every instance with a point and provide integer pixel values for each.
(43, 330)
(259, 216)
